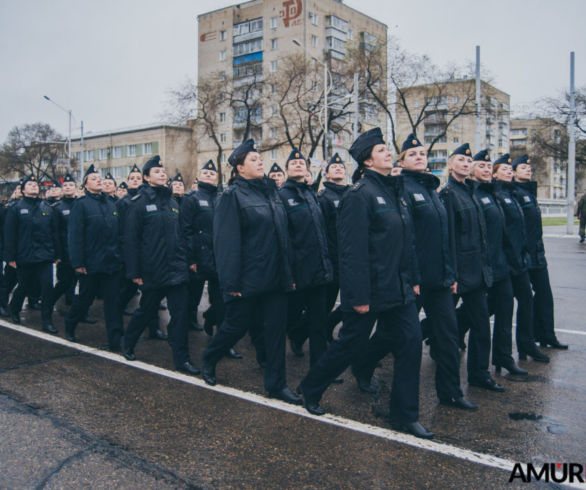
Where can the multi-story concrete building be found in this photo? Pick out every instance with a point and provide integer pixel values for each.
(251, 40)
(117, 151)
(533, 136)
(434, 107)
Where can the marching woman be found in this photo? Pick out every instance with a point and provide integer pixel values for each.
(155, 258)
(65, 273)
(197, 218)
(526, 195)
(500, 294)
(312, 268)
(438, 280)
(376, 283)
(94, 252)
(253, 261)
(469, 257)
(516, 252)
(329, 199)
(31, 245)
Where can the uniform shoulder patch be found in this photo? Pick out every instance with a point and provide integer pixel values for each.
(357, 185)
(135, 197)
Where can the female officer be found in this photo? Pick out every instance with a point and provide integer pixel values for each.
(376, 283)
(312, 268)
(525, 193)
(329, 199)
(252, 252)
(94, 252)
(500, 294)
(154, 253)
(516, 252)
(31, 244)
(437, 276)
(469, 257)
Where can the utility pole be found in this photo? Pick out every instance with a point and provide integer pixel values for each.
(571, 151)
(477, 134)
(81, 156)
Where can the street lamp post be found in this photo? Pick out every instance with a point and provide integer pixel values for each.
(69, 134)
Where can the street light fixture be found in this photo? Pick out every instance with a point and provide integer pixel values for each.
(46, 97)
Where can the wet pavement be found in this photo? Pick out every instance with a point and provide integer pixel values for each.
(72, 419)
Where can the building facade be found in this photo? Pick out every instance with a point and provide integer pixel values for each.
(250, 42)
(536, 137)
(445, 115)
(118, 150)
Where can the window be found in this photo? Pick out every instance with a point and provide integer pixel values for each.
(416, 103)
(117, 152)
(274, 44)
(222, 76)
(338, 23)
(223, 55)
(456, 99)
(313, 17)
(223, 138)
(77, 156)
(274, 110)
(222, 35)
(273, 132)
(350, 35)
(273, 88)
(89, 155)
(274, 65)
(456, 139)
(224, 158)
(104, 153)
(256, 25)
(222, 117)
(248, 47)
(246, 27)
(314, 41)
(147, 148)
(274, 22)
(273, 154)
(131, 151)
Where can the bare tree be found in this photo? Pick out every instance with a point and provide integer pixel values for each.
(33, 149)
(413, 92)
(202, 104)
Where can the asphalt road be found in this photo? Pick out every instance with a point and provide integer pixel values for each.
(72, 418)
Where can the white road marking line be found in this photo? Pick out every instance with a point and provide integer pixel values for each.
(390, 435)
(575, 237)
(573, 332)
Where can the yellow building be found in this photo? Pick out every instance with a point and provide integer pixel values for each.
(117, 151)
(435, 106)
(548, 171)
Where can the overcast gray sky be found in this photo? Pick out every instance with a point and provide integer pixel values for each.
(112, 61)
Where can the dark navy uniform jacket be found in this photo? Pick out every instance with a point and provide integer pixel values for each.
(430, 221)
(93, 234)
(375, 240)
(30, 232)
(526, 195)
(469, 255)
(329, 199)
(495, 230)
(515, 242)
(251, 240)
(197, 221)
(154, 246)
(62, 212)
(307, 230)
